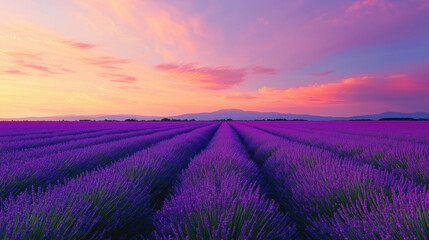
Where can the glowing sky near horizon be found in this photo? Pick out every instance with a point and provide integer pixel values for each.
(162, 57)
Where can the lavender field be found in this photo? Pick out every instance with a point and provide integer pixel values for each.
(214, 180)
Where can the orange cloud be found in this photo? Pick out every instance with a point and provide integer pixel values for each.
(352, 90)
(239, 96)
(269, 90)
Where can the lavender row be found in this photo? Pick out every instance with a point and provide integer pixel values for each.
(125, 126)
(16, 129)
(49, 135)
(33, 143)
(17, 176)
(218, 197)
(321, 190)
(34, 147)
(401, 158)
(14, 133)
(336, 130)
(312, 137)
(17, 145)
(108, 136)
(106, 203)
(10, 129)
(414, 131)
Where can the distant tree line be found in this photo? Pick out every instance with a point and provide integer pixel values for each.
(403, 119)
(216, 120)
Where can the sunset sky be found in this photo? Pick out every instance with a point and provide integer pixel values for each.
(145, 57)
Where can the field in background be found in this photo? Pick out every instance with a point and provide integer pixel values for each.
(214, 180)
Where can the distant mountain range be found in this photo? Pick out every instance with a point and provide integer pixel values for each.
(234, 114)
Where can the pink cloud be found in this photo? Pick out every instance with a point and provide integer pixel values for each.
(106, 62)
(66, 70)
(398, 76)
(30, 60)
(262, 70)
(37, 67)
(15, 72)
(322, 74)
(356, 6)
(22, 55)
(120, 78)
(78, 45)
(213, 78)
(30, 63)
